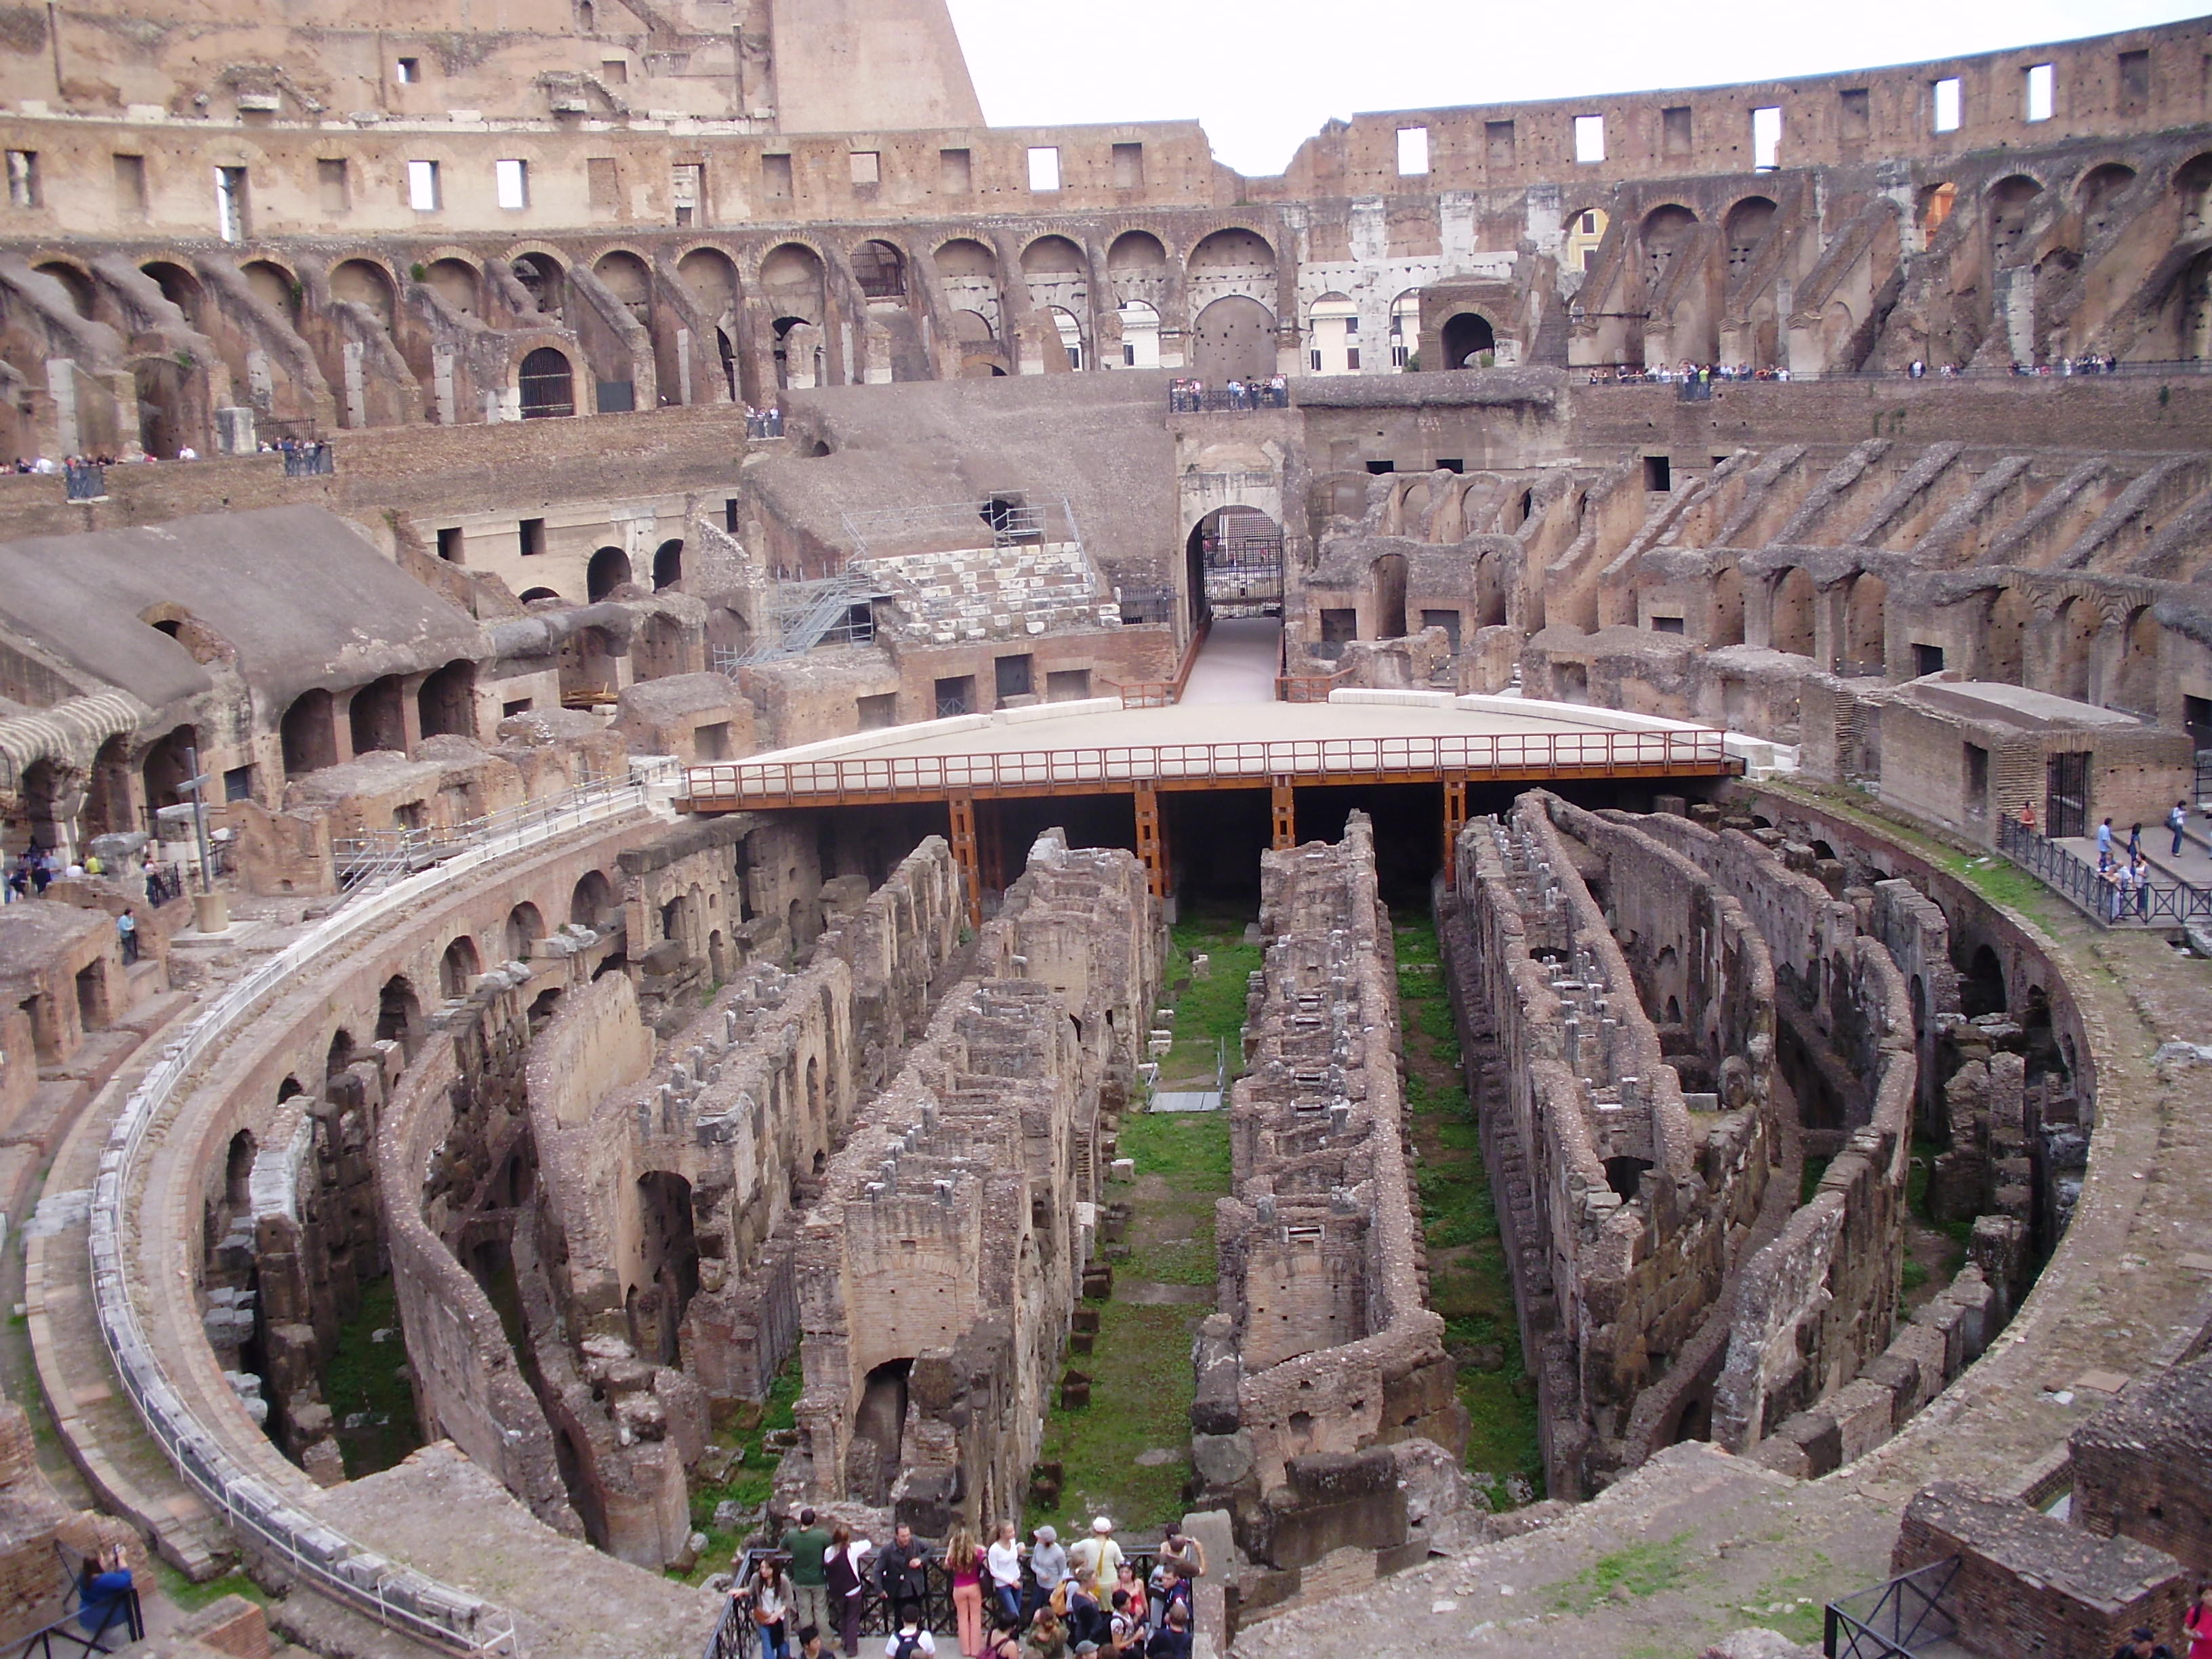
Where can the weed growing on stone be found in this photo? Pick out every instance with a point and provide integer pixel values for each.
(1640, 1569)
(1209, 1019)
(744, 1428)
(366, 1387)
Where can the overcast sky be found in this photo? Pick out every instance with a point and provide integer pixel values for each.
(1262, 76)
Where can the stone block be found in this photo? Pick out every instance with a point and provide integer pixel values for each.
(1865, 1414)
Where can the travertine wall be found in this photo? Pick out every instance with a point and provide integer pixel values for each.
(1321, 1375)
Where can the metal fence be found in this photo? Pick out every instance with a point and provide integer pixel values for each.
(2100, 892)
(1897, 1618)
(1226, 400)
(371, 860)
(450, 1619)
(83, 481)
(309, 460)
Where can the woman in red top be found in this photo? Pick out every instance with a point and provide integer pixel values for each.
(963, 1565)
(2197, 1622)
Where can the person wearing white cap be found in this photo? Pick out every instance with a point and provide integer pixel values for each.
(1098, 1558)
(1047, 1566)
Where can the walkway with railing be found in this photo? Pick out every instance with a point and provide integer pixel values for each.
(299, 1542)
(1902, 1618)
(1243, 397)
(2105, 895)
(367, 862)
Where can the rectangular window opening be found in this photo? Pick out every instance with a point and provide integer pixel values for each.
(603, 184)
(22, 177)
(1766, 138)
(1977, 782)
(615, 71)
(1378, 468)
(422, 186)
(1950, 104)
(508, 711)
(956, 695)
(955, 177)
(879, 711)
(1339, 627)
(238, 783)
(230, 203)
(775, 177)
(1128, 166)
(334, 184)
(1413, 152)
(532, 535)
(1451, 463)
(730, 513)
(1658, 473)
(1589, 138)
(687, 191)
(1855, 112)
(130, 185)
(2135, 79)
(1926, 659)
(1045, 166)
(1675, 130)
(410, 70)
(449, 543)
(867, 167)
(1014, 676)
(1666, 624)
(1497, 143)
(2042, 91)
(511, 181)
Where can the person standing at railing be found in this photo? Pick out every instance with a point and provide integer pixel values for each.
(842, 1576)
(963, 1565)
(2104, 845)
(771, 1602)
(902, 1568)
(807, 1545)
(1004, 1561)
(2178, 821)
(1047, 1566)
(2139, 883)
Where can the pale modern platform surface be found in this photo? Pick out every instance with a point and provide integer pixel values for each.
(1238, 662)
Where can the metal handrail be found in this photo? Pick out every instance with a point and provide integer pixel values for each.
(1883, 1630)
(367, 862)
(2059, 868)
(1165, 693)
(1473, 754)
(1309, 688)
(129, 1622)
(449, 1617)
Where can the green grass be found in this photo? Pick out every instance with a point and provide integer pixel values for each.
(1801, 1619)
(365, 1376)
(1209, 1021)
(1469, 1283)
(193, 1597)
(744, 1425)
(1640, 1569)
(1141, 1391)
(1189, 1152)
(1185, 1146)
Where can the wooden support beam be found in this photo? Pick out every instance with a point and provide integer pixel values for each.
(963, 810)
(991, 847)
(1286, 815)
(1454, 821)
(1152, 838)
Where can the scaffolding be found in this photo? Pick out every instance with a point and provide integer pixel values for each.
(1014, 518)
(799, 616)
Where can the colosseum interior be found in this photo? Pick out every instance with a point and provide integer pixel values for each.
(1487, 868)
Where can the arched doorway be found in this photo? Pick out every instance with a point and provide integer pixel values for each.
(589, 670)
(592, 902)
(377, 718)
(310, 734)
(458, 966)
(547, 384)
(447, 704)
(667, 564)
(398, 1013)
(668, 1248)
(609, 569)
(1235, 340)
(1389, 573)
(1469, 341)
(166, 766)
(1234, 564)
(1792, 627)
(525, 928)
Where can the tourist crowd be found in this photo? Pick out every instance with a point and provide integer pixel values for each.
(36, 868)
(1190, 397)
(1043, 1600)
(764, 423)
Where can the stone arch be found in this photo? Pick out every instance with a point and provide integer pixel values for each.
(1234, 260)
(308, 733)
(1584, 234)
(525, 928)
(1745, 228)
(547, 383)
(589, 676)
(1054, 256)
(608, 570)
(1793, 602)
(2136, 676)
(1140, 334)
(2005, 636)
(375, 716)
(1069, 328)
(446, 706)
(457, 282)
(532, 595)
(1664, 233)
(398, 1013)
(2011, 200)
(1982, 984)
(1405, 328)
(166, 767)
(1234, 339)
(668, 564)
(1937, 203)
(340, 1054)
(710, 278)
(2078, 623)
(1136, 268)
(630, 279)
(75, 282)
(2101, 186)
(544, 278)
(179, 286)
(276, 286)
(592, 900)
(1865, 644)
(791, 281)
(366, 283)
(879, 267)
(458, 966)
(2192, 186)
(1468, 334)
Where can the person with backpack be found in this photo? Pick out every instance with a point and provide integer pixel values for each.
(1172, 1640)
(1047, 1566)
(909, 1640)
(1125, 1630)
(1046, 1637)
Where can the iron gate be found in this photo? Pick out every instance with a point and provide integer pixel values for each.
(2066, 794)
